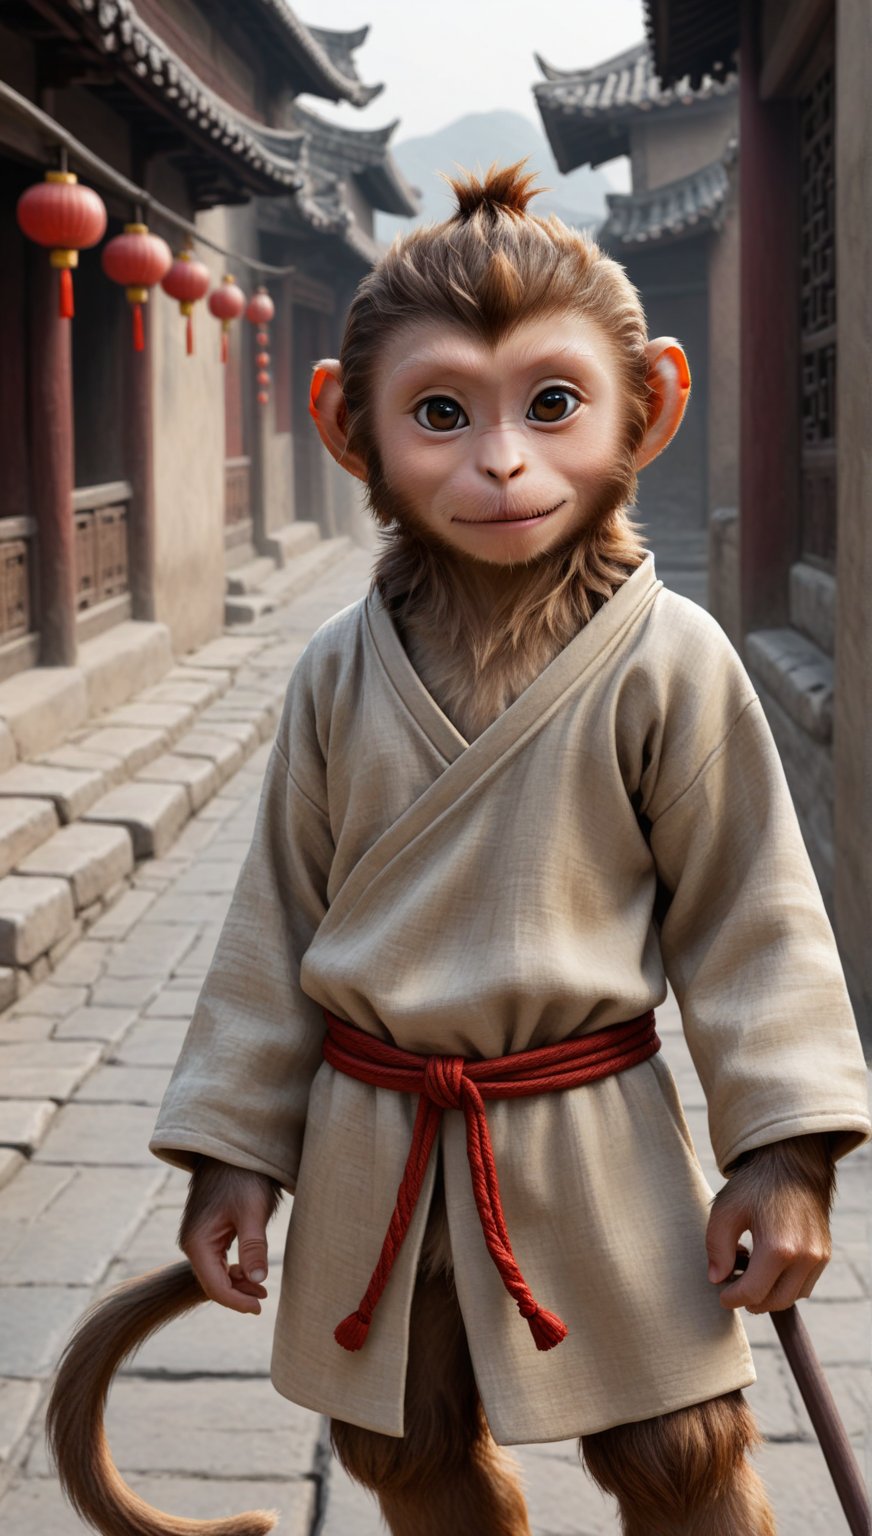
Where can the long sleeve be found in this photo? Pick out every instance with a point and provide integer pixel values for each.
(747, 944)
(240, 1088)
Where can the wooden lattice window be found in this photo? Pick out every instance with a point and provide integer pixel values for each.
(14, 589)
(818, 320)
(237, 491)
(101, 553)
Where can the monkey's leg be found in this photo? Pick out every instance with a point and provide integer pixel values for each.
(685, 1473)
(446, 1475)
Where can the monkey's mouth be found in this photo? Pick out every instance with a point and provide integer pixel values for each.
(518, 520)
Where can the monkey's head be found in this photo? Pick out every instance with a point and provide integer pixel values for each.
(496, 390)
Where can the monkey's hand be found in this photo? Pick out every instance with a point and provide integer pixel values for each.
(225, 1203)
(782, 1195)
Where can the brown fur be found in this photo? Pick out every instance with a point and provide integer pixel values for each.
(684, 1473)
(446, 1474)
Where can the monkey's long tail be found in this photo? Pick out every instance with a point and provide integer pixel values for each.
(109, 1332)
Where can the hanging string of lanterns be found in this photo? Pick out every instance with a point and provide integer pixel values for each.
(261, 310)
(67, 218)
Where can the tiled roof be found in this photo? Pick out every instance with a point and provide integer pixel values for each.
(693, 37)
(676, 211)
(324, 55)
(361, 152)
(588, 113)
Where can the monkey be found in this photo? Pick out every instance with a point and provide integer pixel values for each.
(497, 395)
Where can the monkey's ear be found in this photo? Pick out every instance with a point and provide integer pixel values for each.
(669, 379)
(329, 412)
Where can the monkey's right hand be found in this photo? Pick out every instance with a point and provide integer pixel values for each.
(225, 1203)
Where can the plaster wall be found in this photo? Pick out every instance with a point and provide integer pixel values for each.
(280, 480)
(671, 147)
(853, 701)
(189, 465)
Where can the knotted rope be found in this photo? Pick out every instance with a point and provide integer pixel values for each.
(456, 1082)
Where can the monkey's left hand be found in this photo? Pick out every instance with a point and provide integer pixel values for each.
(782, 1195)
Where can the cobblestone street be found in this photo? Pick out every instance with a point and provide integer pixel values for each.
(194, 1423)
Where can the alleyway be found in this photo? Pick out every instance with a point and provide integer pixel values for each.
(194, 1424)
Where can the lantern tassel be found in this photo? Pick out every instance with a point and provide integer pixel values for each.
(66, 307)
(138, 329)
(224, 344)
(189, 336)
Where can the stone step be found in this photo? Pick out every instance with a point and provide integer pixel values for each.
(122, 661)
(245, 610)
(70, 790)
(249, 577)
(35, 913)
(91, 857)
(300, 572)
(292, 540)
(24, 824)
(153, 814)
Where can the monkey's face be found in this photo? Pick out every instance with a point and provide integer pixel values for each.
(501, 452)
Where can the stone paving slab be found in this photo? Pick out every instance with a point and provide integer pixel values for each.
(73, 755)
(53, 1000)
(45, 1069)
(155, 949)
(246, 1431)
(18, 1028)
(18, 1400)
(35, 1323)
(90, 1135)
(152, 1043)
(71, 1224)
(116, 1084)
(37, 1505)
(24, 1123)
(107, 1024)
(24, 824)
(92, 858)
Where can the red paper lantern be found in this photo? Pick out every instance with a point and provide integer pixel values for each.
(187, 281)
(226, 304)
(262, 359)
(57, 212)
(137, 259)
(263, 376)
(262, 339)
(261, 308)
(263, 398)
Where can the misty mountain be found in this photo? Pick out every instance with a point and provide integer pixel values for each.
(474, 141)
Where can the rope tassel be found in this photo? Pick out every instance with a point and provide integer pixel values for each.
(451, 1082)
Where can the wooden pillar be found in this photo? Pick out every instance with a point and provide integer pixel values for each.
(769, 303)
(52, 467)
(139, 464)
(852, 737)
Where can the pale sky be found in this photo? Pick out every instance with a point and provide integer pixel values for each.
(440, 59)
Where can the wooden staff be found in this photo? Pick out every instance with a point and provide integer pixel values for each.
(826, 1421)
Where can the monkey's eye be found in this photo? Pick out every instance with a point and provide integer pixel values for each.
(553, 404)
(440, 414)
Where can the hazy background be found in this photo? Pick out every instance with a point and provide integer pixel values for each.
(459, 75)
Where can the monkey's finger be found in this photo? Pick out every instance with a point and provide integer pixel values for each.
(786, 1291)
(248, 1287)
(212, 1273)
(725, 1227)
(251, 1243)
(765, 1268)
(813, 1278)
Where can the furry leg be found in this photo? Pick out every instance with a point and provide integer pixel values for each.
(446, 1474)
(685, 1473)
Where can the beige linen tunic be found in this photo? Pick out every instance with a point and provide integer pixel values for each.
(489, 897)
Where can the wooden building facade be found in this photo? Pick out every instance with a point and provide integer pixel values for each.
(800, 580)
(676, 234)
(130, 482)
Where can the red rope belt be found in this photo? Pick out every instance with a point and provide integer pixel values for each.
(455, 1082)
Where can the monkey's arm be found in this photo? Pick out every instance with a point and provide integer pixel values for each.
(240, 1089)
(748, 947)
